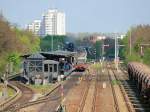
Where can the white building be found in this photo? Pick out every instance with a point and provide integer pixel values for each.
(53, 23)
(35, 27)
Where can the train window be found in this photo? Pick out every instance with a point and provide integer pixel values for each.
(55, 67)
(45, 67)
(50, 68)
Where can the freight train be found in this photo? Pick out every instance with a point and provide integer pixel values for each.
(140, 74)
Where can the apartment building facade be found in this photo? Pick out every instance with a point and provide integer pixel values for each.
(52, 23)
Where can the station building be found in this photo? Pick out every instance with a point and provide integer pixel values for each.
(46, 67)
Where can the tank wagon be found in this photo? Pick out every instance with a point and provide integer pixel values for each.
(140, 74)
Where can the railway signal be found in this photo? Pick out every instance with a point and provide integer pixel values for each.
(117, 52)
(103, 58)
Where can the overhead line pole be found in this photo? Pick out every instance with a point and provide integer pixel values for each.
(130, 43)
(117, 46)
(52, 43)
(116, 52)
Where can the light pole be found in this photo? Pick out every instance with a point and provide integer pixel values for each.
(52, 43)
(95, 54)
(116, 52)
(130, 43)
(5, 92)
(103, 48)
(117, 46)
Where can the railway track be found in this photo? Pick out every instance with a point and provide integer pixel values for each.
(114, 94)
(24, 100)
(41, 100)
(27, 94)
(115, 90)
(88, 101)
(95, 94)
(84, 96)
(52, 105)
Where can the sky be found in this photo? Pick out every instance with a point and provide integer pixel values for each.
(82, 15)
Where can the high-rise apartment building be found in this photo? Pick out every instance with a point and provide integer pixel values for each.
(35, 27)
(52, 23)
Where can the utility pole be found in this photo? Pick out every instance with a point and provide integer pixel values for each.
(117, 46)
(130, 42)
(52, 43)
(103, 49)
(95, 54)
(5, 92)
(116, 52)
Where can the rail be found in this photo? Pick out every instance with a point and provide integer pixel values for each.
(30, 103)
(49, 92)
(95, 93)
(128, 104)
(9, 101)
(114, 94)
(82, 103)
(130, 107)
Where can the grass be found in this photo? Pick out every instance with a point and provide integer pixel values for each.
(41, 89)
(115, 82)
(96, 66)
(11, 92)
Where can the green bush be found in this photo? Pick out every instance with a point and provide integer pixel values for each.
(146, 57)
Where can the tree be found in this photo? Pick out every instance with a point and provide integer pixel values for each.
(98, 47)
(139, 35)
(46, 42)
(146, 56)
(15, 42)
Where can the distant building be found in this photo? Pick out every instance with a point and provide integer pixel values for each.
(93, 39)
(35, 27)
(82, 57)
(52, 23)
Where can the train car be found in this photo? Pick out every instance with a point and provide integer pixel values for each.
(140, 74)
(80, 67)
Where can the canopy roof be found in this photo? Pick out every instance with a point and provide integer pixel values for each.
(36, 56)
(60, 53)
(50, 62)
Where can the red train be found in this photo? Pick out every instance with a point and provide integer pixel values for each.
(80, 67)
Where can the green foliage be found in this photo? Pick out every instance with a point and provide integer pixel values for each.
(13, 43)
(2, 63)
(146, 57)
(46, 42)
(14, 58)
(29, 42)
(133, 57)
(98, 47)
(42, 89)
(139, 35)
(110, 51)
(125, 52)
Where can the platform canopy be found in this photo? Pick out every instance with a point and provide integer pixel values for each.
(50, 62)
(60, 53)
(36, 56)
